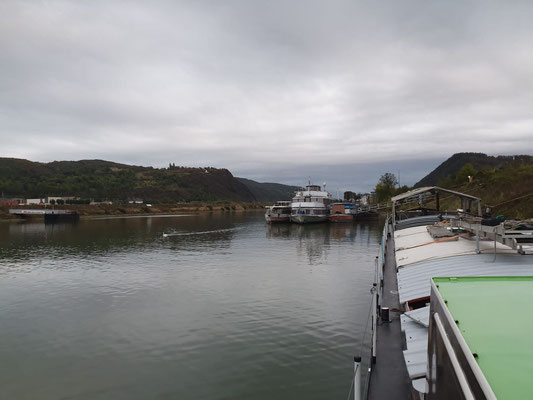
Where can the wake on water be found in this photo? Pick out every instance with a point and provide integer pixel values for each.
(198, 233)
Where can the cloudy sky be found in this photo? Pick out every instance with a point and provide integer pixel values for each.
(342, 91)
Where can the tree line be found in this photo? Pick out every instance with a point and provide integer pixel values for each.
(386, 188)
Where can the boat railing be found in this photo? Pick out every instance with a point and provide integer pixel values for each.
(514, 234)
(367, 355)
(364, 359)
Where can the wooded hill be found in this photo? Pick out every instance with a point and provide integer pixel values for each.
(479, 161)
(505, 182)
(269, 191)
(98, 179)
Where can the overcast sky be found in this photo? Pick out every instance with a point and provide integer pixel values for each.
(272, 90)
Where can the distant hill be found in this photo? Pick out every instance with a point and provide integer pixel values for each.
(479, 161)
(269, 191)
(98, 179)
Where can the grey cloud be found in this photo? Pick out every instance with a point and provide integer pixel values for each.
(263, 88)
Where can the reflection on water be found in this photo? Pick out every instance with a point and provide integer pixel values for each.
(314, 240)
(102, 235)
(225, 306)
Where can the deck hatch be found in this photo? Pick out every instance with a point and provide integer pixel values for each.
(489, 333)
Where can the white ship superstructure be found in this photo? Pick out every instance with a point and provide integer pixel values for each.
(310, 205)
(279, 212)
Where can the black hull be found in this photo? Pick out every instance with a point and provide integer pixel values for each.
(53, 218)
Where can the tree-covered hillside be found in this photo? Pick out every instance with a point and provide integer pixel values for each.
(503, 182)
(98, 179)
(507, 188)
(479, 161)
(269, 191)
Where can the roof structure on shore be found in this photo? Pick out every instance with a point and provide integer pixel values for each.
(432, 189)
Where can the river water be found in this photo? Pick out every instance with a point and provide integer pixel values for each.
(224, 307)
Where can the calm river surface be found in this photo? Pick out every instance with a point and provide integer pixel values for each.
(226, 307)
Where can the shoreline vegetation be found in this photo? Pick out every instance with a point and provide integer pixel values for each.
(503, 183)
(100, 181)
(87, 211)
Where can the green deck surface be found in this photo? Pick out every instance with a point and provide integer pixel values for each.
(495, 317)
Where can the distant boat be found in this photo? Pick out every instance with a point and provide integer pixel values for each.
(310, 205)
(279, 212)
(365, 215)
(342, 212)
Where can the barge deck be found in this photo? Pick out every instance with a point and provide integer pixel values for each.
(415, 250)
(389, 378)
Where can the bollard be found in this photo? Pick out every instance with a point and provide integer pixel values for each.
(385, 314)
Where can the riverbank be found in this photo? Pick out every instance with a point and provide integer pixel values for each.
(140, 209)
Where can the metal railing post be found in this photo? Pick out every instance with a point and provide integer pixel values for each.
(376, 271)
(374, 322)
(374, 292)
(357, 378)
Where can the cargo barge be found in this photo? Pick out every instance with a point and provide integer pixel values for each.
(418, 349)
(50, 216)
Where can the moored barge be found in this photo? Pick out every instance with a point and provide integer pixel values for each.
(50, 216)
(419, 349)
(342, 212)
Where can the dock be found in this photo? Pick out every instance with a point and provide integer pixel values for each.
(49, 215)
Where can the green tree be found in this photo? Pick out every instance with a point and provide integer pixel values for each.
(385, 187)
(388, 179)
(464, 173)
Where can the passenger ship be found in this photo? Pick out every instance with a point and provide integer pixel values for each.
(446, 313)
(310, 205)
(279, 212)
